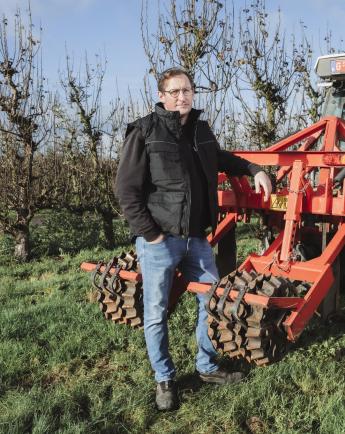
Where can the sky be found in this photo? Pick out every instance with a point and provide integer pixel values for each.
(111, 28)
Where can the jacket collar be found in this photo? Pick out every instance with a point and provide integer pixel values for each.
(172, 118)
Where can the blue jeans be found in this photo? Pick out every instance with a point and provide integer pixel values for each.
(194, 258)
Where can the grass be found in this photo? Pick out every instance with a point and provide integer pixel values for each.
(64, 369)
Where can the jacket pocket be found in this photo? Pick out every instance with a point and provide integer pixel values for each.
(165, 165)
(166, 210)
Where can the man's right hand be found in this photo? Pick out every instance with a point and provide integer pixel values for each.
(159, 239)
(261, 179)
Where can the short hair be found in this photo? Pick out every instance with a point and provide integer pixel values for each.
(173, 72)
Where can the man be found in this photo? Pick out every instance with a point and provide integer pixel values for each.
(167, 188)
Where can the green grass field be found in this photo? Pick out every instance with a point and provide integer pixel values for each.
(65, 369)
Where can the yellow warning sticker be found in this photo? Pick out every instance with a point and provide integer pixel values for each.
(278, 202)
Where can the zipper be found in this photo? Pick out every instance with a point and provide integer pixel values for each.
(188, 193)
(195, 145)
(196, 149)
(189, 199)
(189, 203)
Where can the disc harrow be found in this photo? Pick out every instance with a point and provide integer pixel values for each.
(252, 332)
(120, 300)
(252, 315)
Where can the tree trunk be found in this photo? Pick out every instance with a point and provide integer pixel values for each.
(22, 246)
(108, 230)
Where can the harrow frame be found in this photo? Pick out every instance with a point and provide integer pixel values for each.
(297, 211)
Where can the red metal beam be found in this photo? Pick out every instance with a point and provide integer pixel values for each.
(223, 228)
(316, 201)
(335, 123)
(126, 275)
(297, 320)
(282, 145)
(330, 139)
(292, 215)
(307, 143)
(253, 299)
(308, 158)
(334, 247)
(305, 271)
(195, 287)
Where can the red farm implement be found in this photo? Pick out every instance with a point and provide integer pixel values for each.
(255, 310)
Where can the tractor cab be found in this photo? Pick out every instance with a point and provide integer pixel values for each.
(331, 70)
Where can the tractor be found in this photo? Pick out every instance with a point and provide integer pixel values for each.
(258, 308)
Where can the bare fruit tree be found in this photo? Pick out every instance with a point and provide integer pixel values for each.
(197, 36)
(310, 97)
(274, 87)
(89, 142)
(24, 129)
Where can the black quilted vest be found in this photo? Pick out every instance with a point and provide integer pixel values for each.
(168, 195)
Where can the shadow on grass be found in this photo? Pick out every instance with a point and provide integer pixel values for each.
(318, 333)
(189, 383)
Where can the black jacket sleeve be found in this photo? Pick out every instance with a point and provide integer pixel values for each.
(132, 177)
(236, 166)
(233, 165)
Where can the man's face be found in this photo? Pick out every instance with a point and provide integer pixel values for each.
(183, 100)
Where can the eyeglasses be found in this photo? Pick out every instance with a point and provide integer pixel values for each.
(174, 93)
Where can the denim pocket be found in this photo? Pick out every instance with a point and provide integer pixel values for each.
(150, 243)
